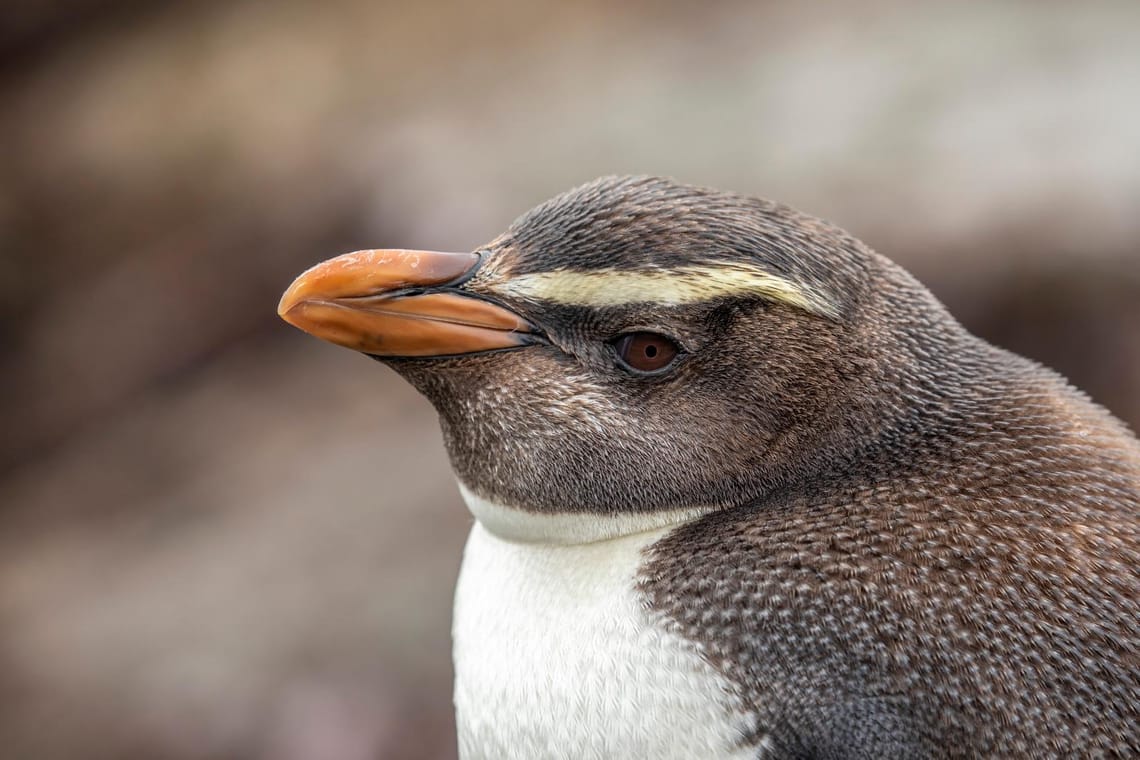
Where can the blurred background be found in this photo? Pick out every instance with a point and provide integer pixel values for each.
(220, 538)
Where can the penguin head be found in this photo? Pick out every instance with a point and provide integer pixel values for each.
(635, 349)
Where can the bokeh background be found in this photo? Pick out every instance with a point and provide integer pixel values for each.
(222, 539)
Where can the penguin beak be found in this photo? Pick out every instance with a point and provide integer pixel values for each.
(401, 303)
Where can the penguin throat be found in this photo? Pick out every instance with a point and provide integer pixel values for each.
(570, 528)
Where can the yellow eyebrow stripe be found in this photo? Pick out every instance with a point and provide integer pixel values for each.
(665, 287)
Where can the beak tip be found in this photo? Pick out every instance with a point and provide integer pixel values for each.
(283, 306)
(293, 297)
(286, 315)
(294, 312)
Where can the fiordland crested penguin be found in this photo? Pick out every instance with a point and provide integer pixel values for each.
(743, 488)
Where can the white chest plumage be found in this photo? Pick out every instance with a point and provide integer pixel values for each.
(556, 657)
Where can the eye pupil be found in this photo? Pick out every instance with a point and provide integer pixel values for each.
(646, 351)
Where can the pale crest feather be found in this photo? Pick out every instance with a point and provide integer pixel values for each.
(666, 287)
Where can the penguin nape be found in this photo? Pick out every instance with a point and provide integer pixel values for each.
(743, 488)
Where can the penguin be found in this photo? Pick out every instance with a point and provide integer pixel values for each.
(743, 488)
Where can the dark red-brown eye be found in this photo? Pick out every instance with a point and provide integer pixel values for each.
(646, 351)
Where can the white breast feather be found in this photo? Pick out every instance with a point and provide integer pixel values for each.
(557, 657)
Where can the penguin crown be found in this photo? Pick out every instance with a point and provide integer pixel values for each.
(628, 241)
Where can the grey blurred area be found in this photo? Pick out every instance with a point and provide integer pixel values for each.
(222, 539)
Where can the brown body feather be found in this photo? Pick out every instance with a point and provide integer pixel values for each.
(971, 589)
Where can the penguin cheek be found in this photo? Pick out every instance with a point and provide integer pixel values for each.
(548, 431)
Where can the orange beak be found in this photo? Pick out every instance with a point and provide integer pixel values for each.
(400, 303)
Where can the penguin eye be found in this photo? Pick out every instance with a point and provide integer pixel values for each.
(645, 351)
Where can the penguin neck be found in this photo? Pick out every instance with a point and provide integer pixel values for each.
(570, 528)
